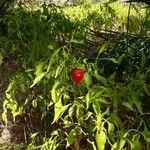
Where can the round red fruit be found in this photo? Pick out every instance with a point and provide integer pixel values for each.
(77, 75)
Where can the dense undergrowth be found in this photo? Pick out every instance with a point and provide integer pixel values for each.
(109, 109)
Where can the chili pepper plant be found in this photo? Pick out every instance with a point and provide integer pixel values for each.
(98, 104)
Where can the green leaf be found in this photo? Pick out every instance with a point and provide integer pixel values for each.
(59, 69)
(106, 112)
(10, 86)
(59, 109)
(123, 140)
(77, 41)
(79, 114)
(102, 100)
(52, 59)
(146, 134)
(38, 79)
(55, 132)
(34, 135)
(39, 68)
(111, 128)
(54, 92)
(96, 107)
(135, 145)
(113, 60)
(120, 143)
(100, 78)
(88, 115)
(128, 105)
(138, 105)
(121, 58)
(9, 95)
(73, 134)
(115, 119)
(102, 49)
(88, 99)
(136, 136)
(66, 121)
(71, 110)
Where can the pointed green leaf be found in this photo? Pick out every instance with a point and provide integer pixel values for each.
(38, 79)
(59, 109)
(121, 58)
(88, 99)
(71, 110)
(54, 92)
(128, 105)
(79, 113)
(111, 128)
(88, 115)
(96, 107)
(59, 69)
(100, 78)
(103, 47)
(103, 100)
(34, 135)
(10, 86)
(115, 119)
(73, 134)
(138, 105)
(39, 68)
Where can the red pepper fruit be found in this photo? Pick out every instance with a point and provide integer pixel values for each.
(77, 75)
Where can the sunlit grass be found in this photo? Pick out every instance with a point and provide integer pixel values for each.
(113, 14)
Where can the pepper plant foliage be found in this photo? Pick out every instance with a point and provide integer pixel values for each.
(107, 109)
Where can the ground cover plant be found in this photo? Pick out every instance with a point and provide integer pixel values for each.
(65, 84)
